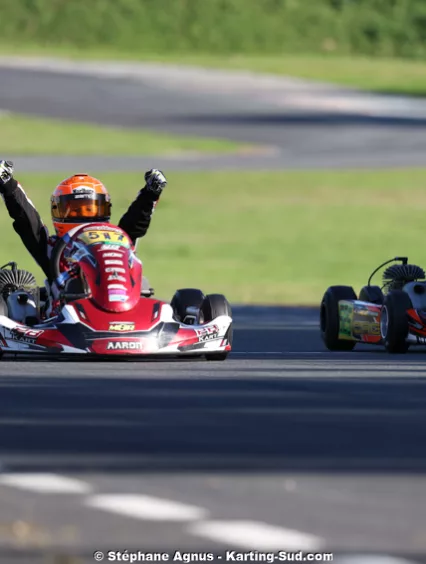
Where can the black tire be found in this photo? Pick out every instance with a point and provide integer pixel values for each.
(184, 298)
(394, 321)
(213, 306)
(3, 307)
(330, 319)
(372, 294)
(3, 311)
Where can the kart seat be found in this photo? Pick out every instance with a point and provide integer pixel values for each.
(75, 289)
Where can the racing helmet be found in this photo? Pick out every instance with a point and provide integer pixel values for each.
(79, 199)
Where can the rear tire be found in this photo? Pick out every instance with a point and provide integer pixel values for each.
(215, 305)
(184, 299)
(330, 319)
(394, 321)
(3, 307)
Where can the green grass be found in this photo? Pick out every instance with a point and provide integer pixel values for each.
(398, 76)
(263, 237)
(25, 135)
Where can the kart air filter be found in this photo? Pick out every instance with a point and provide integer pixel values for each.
(12, 280)
(399, 274)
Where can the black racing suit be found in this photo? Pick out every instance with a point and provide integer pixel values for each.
(35, 236)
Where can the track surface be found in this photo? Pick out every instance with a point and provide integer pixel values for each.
(291, 436)
(283, 446)
(310, 125)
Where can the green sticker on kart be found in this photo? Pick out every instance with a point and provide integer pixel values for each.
(346, 310)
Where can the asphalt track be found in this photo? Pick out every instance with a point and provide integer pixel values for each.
(304, 125)
(283, 446)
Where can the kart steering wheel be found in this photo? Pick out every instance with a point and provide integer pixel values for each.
(55, 259)
(55, 270)
(58, 249)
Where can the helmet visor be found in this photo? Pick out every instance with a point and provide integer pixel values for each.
(81, 208)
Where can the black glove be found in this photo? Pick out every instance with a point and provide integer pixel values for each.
(6, 171)
(155, 181)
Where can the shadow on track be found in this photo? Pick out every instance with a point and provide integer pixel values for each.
(305, 118)
(168, 424)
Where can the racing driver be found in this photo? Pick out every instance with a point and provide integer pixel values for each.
(69, 209)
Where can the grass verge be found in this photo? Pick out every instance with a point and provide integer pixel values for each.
(394, 76)
(263, 237)
(25, 135)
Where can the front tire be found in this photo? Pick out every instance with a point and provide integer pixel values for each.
(215, 305)
(330, 318)
(185, 299)
(394, 321)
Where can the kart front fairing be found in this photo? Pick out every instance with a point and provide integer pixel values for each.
(149, 329)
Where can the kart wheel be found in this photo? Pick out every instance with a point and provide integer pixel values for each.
(394, 321)
(330, 319)
(372, 294)
(3, 307)
(184, 299)
(213, 306)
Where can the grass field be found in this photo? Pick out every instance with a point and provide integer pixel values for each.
(263, 237)
(397, 76)
(25, 135)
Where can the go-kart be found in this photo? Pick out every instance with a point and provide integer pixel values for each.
(105, 309)
(393, 315)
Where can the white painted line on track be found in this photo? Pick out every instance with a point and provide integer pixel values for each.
(146, 507)
(283, 353)
(259, 352)
(45, 483)
(255, 535)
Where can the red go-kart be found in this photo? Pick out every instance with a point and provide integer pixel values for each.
(107, 309)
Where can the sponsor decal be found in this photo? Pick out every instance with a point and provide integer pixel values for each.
(362, 312)
(207, 330)
(121, 326)
(124, 246)
(112, 247)
(103, 228)
(113, 255)
(94, 237)
(208, 337)
(25, 335)
(119, 262)
(207, 333)
(115, 269)
(121, 286)
(366, 328)
(124, 345)
(84, 192)
(117, 298)
(345, 320)
(374, 309)
(116, 277)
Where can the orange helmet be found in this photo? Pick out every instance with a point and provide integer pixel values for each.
(79, 199)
